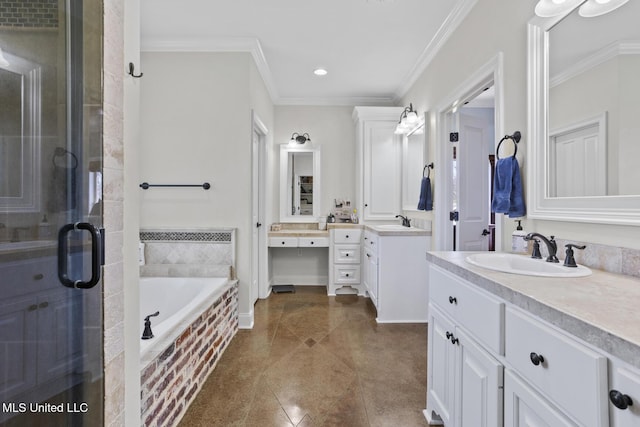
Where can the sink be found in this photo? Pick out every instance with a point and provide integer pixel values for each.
(521, 264)
(393, 227)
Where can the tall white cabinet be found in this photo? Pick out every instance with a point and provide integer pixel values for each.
(378, 162)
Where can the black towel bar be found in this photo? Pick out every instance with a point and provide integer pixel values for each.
(515, 138)
(146, 185)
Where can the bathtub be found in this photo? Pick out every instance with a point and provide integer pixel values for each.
(180, 301)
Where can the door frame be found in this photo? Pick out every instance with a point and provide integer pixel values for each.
(490, 74)
(259, 248)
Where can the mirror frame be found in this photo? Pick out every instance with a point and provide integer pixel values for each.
(619, 210)
(285, 216)
(31, 73)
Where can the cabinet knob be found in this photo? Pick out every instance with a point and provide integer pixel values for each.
(347, 274)
(620, 400)
(346, 254)
(536, 358)
(283, 243)
(38, 276)
(346, 237)
(453, 300)
(32, 307)
(312, 242)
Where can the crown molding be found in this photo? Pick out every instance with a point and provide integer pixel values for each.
(219, 44)
(338, 101)
(448, 27)
(603, 55)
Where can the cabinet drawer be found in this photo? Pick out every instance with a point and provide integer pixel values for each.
(313, 242)
(346, 254)
(28, 276)
(572, 376)
(347, 235)
(285, 242)
(347, 274)
(480, 313)
(624, 390)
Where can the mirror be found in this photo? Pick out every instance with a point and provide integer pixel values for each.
(19, 134)
(299, 183)
(583, 110)
(413, 162)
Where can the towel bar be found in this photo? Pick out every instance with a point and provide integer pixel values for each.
(146, 185)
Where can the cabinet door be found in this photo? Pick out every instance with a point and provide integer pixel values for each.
(441, 367)
(523, 407)
(381, 171)
(625, 382)
(481, 379)
(371, 276)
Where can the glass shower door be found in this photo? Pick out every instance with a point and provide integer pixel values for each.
(51, 238)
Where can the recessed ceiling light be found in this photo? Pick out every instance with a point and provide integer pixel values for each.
(320, 72)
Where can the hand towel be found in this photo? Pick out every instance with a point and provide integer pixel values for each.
(425, 202)
(507, 188)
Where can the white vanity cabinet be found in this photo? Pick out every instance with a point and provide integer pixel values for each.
(624, 395)
(378, 163)
(464, 373)
(344, 260)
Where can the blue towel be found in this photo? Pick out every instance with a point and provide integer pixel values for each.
(507, 189)
(425, 203)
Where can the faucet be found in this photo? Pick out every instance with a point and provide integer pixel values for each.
(148, 334)
(552, 247)
(406, 222)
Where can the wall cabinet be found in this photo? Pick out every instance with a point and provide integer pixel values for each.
(378, 167)
(480, 346)
(344, 261)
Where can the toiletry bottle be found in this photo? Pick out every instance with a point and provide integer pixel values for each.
(518, 244)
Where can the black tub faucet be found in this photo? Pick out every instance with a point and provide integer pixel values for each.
(147, 334)
(552, 246)
(406, 222)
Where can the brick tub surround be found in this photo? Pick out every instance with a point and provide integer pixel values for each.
(171, 381)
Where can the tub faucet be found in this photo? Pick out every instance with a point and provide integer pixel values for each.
(552, 246)
(147, 334)
(406, 222)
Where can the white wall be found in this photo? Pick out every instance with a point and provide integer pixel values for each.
(334, 130)
(502, 25)
(196, 127)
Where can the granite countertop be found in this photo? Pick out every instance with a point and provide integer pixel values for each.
(601, 309)
(299, 233)
(400, 231)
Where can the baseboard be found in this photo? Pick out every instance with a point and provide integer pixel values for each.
(245, 320)
(402, 321)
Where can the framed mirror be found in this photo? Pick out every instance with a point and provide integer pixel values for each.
(299, 183)
(20, 134)
(414, 159)
(583, 117)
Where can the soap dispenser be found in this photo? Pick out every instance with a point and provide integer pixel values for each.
(518, 244)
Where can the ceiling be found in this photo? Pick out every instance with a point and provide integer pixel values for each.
(373, 50)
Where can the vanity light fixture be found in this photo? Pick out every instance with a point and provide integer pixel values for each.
(296, 138)
(588, 8)
(408, 120)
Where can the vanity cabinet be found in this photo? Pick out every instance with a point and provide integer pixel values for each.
(344, 260)
(298, 242)
(370, 265)
(378, 162)
(624, 395)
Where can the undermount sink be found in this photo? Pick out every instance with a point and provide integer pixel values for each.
(523, 265)
(392, 227)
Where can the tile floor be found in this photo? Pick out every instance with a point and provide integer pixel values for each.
(313, 360)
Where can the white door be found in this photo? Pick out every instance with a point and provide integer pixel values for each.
(475, 136)
(255, 215)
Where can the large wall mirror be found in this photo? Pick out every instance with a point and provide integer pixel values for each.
(20, 95)
(583, 117)
(299, 183)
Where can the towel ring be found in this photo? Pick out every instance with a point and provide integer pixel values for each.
(59, 152)
(515, 138)
(428, 169)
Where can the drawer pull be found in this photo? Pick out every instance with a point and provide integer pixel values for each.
(283, 243)
(43, 304)
(312, 242)
(536, 359)
(346, 254)
(347, 274)
(620, 400)
(346, 237)
(453, 300)
(32, 307)
(38, 276)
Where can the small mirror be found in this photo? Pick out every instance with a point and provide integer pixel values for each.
(299, 184)
(19, 134)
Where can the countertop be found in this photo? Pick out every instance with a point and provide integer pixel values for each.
(601, 309)
(299, 233)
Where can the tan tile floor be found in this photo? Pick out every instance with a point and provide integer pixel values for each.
(313, 360)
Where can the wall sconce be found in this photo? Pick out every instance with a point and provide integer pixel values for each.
(299, 139)
(589, 8)
(408, 120)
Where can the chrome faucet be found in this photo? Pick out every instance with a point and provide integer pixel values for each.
(405, 221)
(552, 246)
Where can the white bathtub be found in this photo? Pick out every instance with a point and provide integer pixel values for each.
(180, 300)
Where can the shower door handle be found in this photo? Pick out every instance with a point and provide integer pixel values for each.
(97, 255)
